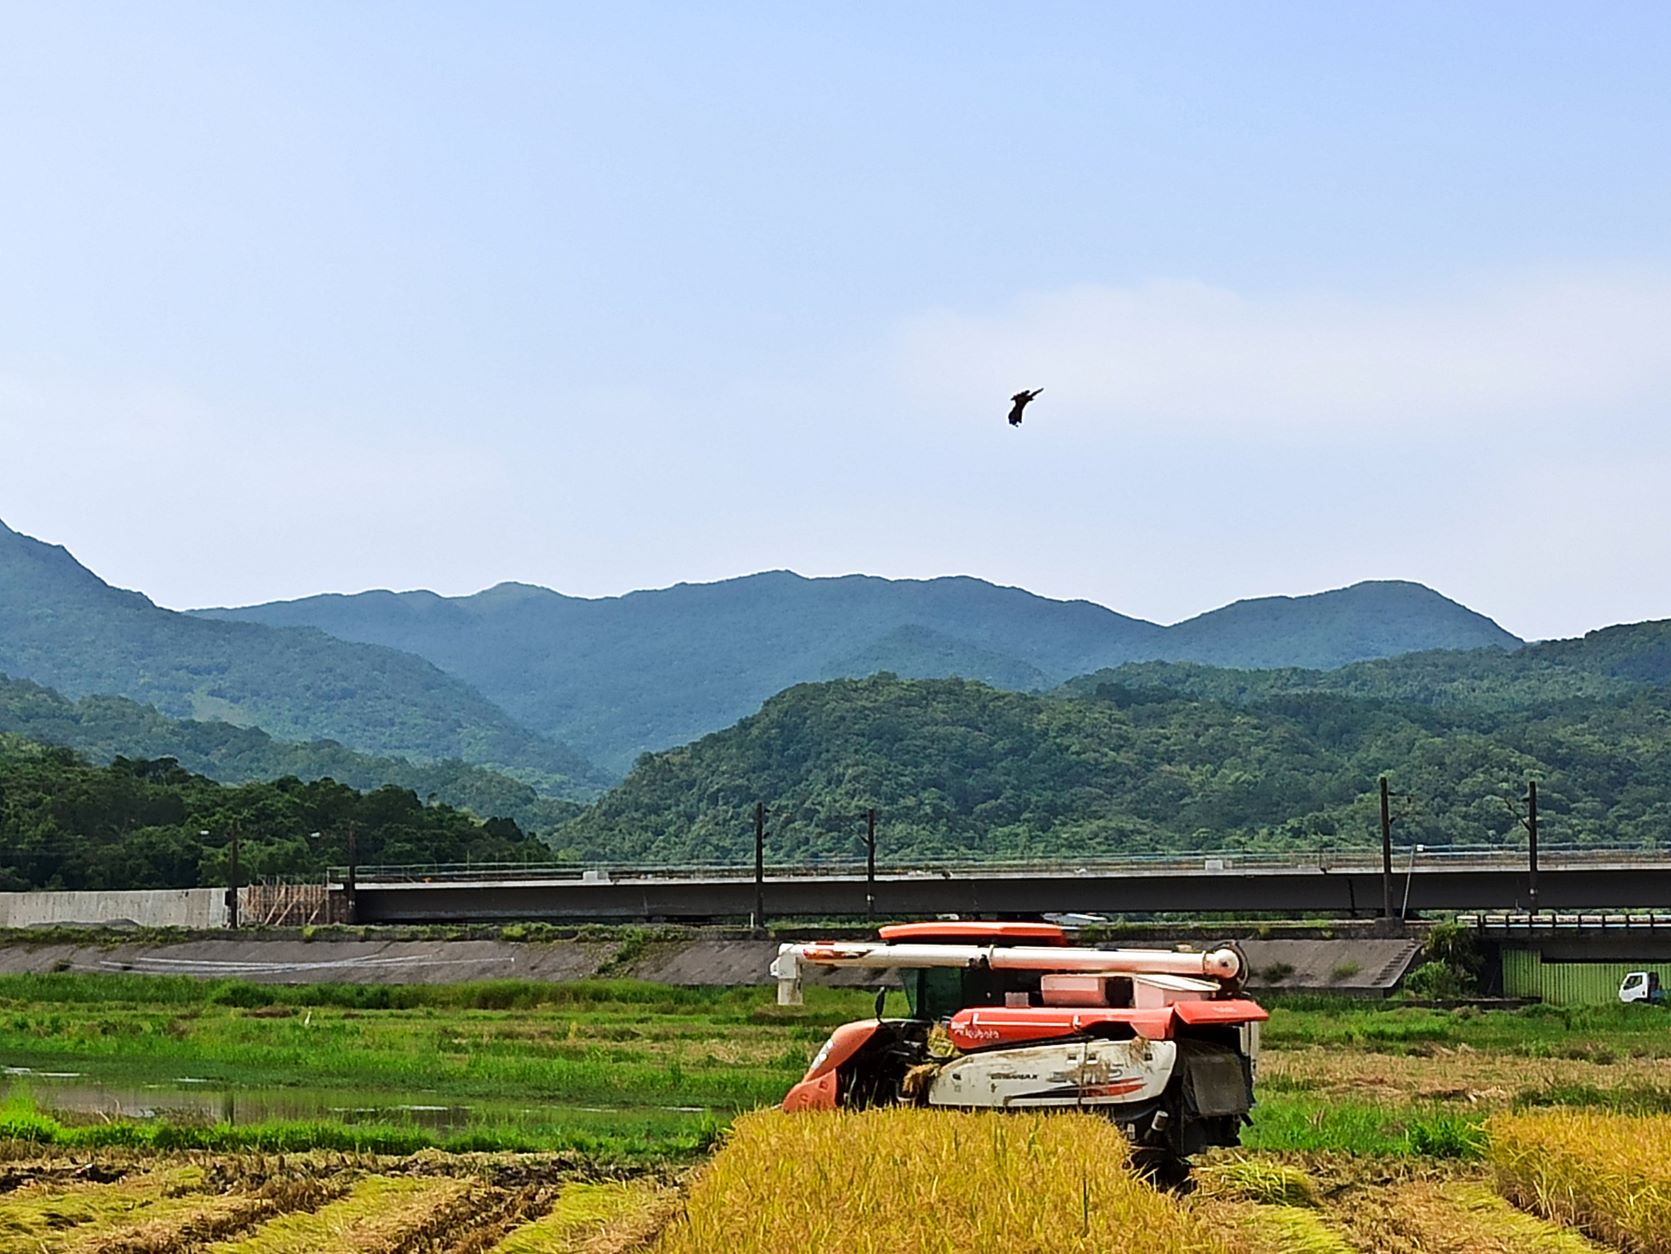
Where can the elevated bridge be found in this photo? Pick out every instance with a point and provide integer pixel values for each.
(1344, 884)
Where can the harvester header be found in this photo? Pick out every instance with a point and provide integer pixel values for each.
(1224, 964)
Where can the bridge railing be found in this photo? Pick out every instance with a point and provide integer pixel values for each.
(1406, 859)
(1514, 922)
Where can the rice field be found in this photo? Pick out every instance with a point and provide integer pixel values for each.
(323, 1204)
(901, 1180)
(1608, 1174)
(617, 1118)
(905, 1181)
(1562, 1182)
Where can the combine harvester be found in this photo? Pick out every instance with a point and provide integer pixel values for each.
(1009, 1016)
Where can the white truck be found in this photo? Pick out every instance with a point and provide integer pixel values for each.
(1641, 986)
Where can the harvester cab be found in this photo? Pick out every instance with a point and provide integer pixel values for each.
(1010, 1016)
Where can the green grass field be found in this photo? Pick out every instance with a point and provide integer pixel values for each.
(617, 1069)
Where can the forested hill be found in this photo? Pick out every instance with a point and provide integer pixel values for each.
(961, 770)
(62, 626)
(649, 670)
(104, 728)
(135, 824)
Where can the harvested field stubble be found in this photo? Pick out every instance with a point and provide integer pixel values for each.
(379, 1214)
(1608, 1174)
(597, 1218)
(904, 1181)
(320, 1203)
(1452, 1217)
(1330, 1203)
(1466, 1077)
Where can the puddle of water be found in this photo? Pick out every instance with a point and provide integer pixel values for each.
(75, 1097)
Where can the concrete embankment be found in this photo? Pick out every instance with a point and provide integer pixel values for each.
(141, 907)
(1354, 966)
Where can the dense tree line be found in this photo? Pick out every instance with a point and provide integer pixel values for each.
(136, 823)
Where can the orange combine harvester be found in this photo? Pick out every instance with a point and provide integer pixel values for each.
(1010, 1016)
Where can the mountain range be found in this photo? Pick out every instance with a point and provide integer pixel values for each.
(618, 676)
(980, 719)
(565, 693)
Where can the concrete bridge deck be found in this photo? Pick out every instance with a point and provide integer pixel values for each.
(1344, 885)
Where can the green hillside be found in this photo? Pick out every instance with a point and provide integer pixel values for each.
(1613, 663)
(60, 625)
(103, 728)
(1638, 652)
(959, 769)
(138, 824)
(621, 675)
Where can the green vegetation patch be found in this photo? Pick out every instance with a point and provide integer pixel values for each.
(1303, 1123)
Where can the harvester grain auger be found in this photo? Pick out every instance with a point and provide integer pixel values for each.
(1009, 1016)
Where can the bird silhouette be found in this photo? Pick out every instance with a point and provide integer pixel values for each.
(1021, 399)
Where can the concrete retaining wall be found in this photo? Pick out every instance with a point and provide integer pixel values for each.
(152, 907)
(1356, 967)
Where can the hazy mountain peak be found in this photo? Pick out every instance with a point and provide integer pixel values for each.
(1324, 630)
(34, 567)
(509, 589)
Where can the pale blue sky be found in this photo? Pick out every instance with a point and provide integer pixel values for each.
(312, 297)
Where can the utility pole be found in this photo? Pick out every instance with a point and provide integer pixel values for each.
(1386, 853)
(232, 884)
(759, 864)
(870, 865)
(1529, 821)
(349, 896)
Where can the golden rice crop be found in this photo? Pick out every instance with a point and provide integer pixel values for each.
(1257, 1178)
(911, 1181)
(1608, 1174)
(1260, 1205)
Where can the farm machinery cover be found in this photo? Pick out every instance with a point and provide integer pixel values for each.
(1009, 1016)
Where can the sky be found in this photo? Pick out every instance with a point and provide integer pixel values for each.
(318, 297)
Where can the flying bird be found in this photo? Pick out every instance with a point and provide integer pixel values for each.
(1021, 399)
